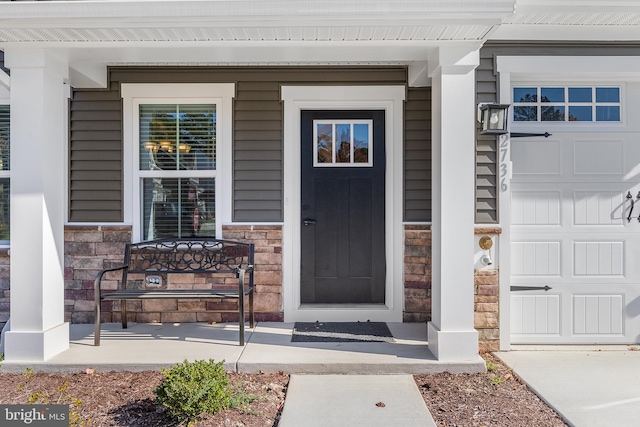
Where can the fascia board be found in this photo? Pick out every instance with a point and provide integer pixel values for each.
(257, 8)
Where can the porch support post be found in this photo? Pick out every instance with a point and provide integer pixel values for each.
(451, 334)
(38, 140)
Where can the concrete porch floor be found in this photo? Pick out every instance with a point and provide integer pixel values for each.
(267, 348)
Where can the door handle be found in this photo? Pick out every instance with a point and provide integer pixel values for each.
(309, 221)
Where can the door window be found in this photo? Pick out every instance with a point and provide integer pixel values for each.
(342, 143)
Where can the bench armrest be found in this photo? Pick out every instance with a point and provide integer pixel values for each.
(96, 283)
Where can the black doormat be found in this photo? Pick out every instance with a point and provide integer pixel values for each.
(341, 332)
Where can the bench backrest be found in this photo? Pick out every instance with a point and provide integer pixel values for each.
(188, 255)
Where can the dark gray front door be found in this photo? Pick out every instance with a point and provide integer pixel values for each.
(343, 203)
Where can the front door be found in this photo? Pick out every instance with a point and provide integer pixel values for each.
(342, 224)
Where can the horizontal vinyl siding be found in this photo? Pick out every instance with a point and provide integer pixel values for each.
(417, 155)
(486, 190)
(96, 174)
(487, 89)
(95, 156)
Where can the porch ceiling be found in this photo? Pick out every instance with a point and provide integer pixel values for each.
(94, 34)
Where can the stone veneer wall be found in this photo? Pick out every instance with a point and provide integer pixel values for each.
(417, 273)
(417, 286)
(486, 300)
(88, 249)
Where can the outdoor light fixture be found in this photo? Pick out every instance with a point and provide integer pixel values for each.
(493, 118)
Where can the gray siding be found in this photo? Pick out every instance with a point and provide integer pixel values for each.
(417, 159)
(487, 91)
(96, 141)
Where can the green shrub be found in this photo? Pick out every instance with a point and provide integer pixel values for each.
(191, 389)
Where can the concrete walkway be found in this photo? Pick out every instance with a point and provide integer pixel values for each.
(354, 400)
(588, 386)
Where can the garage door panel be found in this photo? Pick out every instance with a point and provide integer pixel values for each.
(535, 207)
(598, 207)
(598, 157)
(598, 258)
(598, 315)
(533, 157)
(535, 258)
(535, 314)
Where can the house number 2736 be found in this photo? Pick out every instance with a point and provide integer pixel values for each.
(503, 174)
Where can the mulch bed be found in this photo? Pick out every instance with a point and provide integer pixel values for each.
(495, 398)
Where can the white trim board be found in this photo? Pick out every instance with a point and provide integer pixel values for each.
(387, 98)
(218, 93)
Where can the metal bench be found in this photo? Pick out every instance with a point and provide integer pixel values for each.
(152, 262)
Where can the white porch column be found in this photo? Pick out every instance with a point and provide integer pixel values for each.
(38, 141)
(451, 334)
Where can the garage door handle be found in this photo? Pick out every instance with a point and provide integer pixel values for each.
(309, 221)
(530, 288)
(630, 198)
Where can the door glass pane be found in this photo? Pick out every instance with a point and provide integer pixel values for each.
(177, 137)
(325, 142)
(178, 207)
(361, 143)
(607, 94)
(580, 94)
(552, 94)
(607, 113)
(343, 143)
(525, 114)
(580, 113)
(552, 114)
(525, 94)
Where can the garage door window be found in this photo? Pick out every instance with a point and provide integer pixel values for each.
(568, 104)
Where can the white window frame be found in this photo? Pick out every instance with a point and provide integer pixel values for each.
(7, 173)
(569, 125)
(351, 163)
(220, 94)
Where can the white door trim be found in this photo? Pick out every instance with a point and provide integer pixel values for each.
(387, 98)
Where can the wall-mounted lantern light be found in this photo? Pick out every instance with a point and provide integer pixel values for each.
(493, 118)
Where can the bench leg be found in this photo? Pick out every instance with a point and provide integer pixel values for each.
(241, 305)
(123, 313)
(251, 317)
(96, 326)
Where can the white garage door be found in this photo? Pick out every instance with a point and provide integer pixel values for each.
(575, 244)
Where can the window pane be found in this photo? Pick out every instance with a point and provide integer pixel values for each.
(580, 94)
(178, 207)
(525, 94)
(343, 143)
(607, 94)
(177, 137)
(552, 114)
(525, 114)
(361, 143)
(4, 137)
(4, 209)
(580, 114)
(552, 94)
(607, 113)
(325, 142)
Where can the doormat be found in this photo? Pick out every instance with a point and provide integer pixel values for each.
(341, 332)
